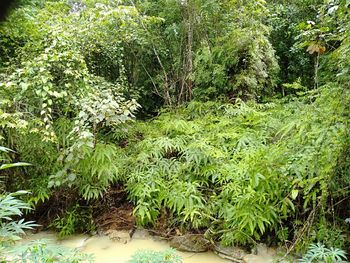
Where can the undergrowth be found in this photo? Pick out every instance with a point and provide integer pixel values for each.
(240, 172)
(244, 170)
(319, 253)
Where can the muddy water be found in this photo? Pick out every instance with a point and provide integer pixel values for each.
(122, 248)
(108, 251)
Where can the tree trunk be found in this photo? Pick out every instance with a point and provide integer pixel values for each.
(186, 81)
(317, 63)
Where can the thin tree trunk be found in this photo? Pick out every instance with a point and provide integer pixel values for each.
(186, 81)
(317, 62)
(190, 54)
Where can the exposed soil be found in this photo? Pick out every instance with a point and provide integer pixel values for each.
(117, 218)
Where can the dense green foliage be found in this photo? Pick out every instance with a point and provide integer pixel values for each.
(11, 231)
(10, 208)
(220, 166)
(42, 251)
(286, 19)
(241, 62)
(229, 118)
(58, 99)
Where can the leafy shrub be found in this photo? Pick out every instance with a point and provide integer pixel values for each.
(88, 169)
(75, 219)
(11, 231)
(149, 256)
(240, 62)
(10, 207)
(242, 65)
(55, 104)
(329, 235)
(241, 170)
(319, 253)
(41, 251)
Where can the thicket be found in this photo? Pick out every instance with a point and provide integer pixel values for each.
(243, 170)
(11, 230)
(241, 109)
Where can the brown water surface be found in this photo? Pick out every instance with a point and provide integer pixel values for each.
(122, 248)
(108, 251)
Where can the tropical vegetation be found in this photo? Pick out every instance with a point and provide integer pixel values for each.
(228, 118)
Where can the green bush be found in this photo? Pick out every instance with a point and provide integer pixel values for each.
(11, 231)
(74, 220)
(41, 251)
(54, 104)
(241, 170)
(242, 64)
(319, 253)
(10, 207)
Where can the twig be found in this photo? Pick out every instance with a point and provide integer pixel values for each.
(306, 226)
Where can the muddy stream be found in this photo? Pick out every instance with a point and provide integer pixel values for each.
(120, 250)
